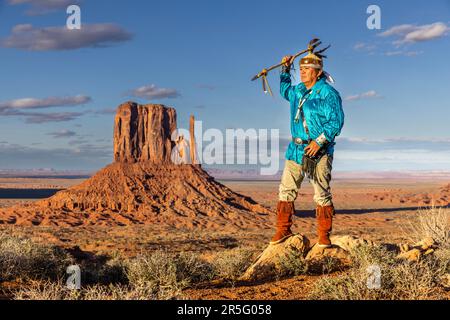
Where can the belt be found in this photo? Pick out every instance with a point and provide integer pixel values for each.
(300, 142)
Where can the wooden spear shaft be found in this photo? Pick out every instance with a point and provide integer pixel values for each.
(265, 71)
(313, 44)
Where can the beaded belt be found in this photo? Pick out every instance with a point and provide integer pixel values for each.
(299, 141)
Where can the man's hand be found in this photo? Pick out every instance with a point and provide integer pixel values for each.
(287, 61)
(312, 149)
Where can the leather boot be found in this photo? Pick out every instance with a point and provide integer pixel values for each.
(285, 211)
(324, 225)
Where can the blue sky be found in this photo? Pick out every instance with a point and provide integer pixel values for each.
(199, 56)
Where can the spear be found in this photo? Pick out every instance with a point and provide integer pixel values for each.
(314, 43)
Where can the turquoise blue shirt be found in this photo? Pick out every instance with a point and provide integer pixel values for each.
(323, 113)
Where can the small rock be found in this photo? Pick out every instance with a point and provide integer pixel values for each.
(411, 255)
(318, 253)
(425, 244)
(421, 248)
(348, 243)
(404, 248)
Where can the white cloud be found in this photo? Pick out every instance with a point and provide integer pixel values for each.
(38, 118)
(408, 33)
(62, 134)
(152, 92)
(27, 37)
(26, 107)
(372, 94)
(398, 30)
(361, 46)
(403, 53)
(35, 103)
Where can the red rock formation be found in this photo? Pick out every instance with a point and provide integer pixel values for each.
(143, 133)
(142, 186)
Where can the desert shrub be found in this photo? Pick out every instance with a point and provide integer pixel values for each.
(325, 265)
(157, 275)
(118, 292)
(58, 291)
(399, 279)
(192, 267)
(431, 222)
(25, 259)
(231, 264)
(443, 256)
(105, 271)
(293, 264)
(165, 275)
(46, 290)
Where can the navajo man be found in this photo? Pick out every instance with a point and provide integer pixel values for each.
(316, 119)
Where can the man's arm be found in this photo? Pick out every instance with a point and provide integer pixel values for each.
(334, 118)
(286, 88)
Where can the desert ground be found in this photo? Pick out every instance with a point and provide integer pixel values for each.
(380, 210)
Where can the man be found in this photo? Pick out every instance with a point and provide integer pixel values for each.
(316, 119)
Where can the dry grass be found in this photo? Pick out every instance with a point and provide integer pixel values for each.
(158, 275)
(433, 222)
(230, 265)
(295, 264)
(165, 275)
(58, 291)
(23, 259)
(400, 279)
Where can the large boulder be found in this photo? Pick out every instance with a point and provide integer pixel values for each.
(269, 262)
(272, 260)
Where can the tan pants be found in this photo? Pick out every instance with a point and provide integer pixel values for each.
(292, 179)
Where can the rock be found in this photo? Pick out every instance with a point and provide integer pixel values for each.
(317, 253)
(404, 248)
(425, 244)
(348, 243)
(143, 133)
(411, 255)
(419, 249)
(268, 264)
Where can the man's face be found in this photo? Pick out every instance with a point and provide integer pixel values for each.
(308, 74)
